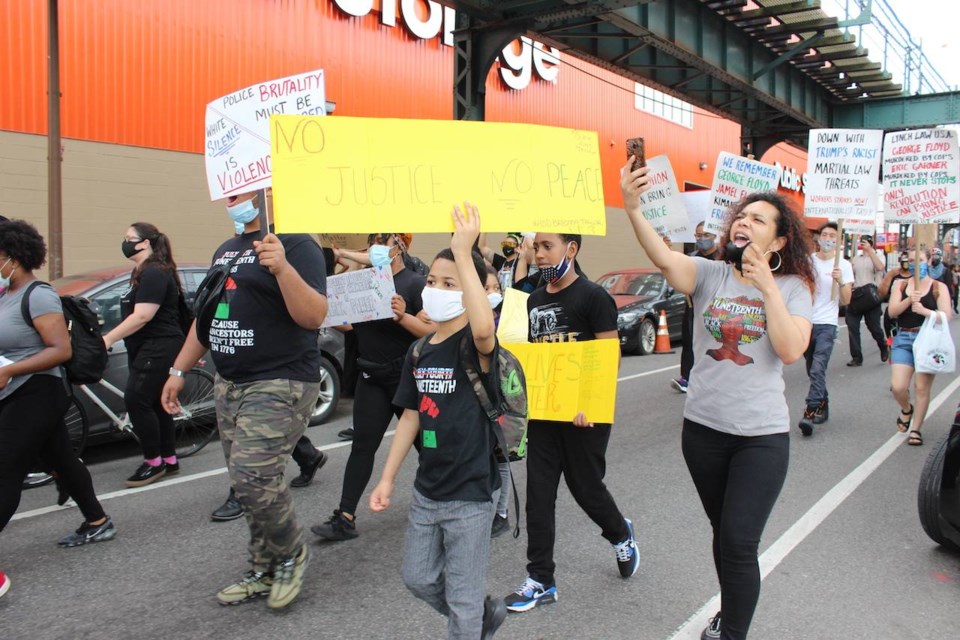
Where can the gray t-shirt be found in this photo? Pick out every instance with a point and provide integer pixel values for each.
(736, 385)
(18, 340)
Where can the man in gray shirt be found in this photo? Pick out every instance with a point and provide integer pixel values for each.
(868, 270)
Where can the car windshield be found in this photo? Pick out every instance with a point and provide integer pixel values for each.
(632, 284)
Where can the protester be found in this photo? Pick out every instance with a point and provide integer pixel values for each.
(902, 272)
(955, 274)
(570, 308)
(511, 266)
(382, 346)
(706, 248)
(910, 305)
(755, 309)
(940, 271)
(448, 541)
(834, 286)
(34, 342)
(501, 522)
(868, 270)
(264, 345)
(151, 332)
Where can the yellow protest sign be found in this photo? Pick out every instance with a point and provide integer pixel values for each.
(513, 325)
(361, 175)
(565, 378)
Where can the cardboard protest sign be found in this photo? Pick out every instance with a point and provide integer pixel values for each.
(565, 378)
(734, 179)
(843, 170)
(514, 325)
(353, 175)
(662, 204)
(359, 296)
(354, 241)
(860, 226)
(237, 127)
(920, 176)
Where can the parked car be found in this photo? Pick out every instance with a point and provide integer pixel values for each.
(938, 497)
(640, 295)
(104, 289)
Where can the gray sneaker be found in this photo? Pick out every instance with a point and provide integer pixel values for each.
(287, 579)
(712, 632)
(88, 533)
(252, 586)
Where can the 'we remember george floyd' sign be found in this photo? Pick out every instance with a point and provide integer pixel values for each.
(920, 175)
(734, 179)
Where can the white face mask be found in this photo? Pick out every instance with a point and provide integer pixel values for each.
(495, 299)
(442, 305)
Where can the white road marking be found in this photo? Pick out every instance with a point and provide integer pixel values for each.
(803, 527)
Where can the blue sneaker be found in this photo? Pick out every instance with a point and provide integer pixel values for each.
(680, 384)
(628, 558)
(530, 594)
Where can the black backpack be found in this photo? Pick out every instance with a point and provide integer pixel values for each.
(89, 359)
(208, 297)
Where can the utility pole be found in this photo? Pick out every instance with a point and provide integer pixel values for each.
(54, 161)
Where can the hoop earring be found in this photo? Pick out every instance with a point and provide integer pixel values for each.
(779, 260)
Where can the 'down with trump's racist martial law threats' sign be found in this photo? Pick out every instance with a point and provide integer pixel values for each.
(843, 169)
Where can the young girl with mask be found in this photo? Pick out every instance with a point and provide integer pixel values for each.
(569, 308)
(752, 313)
(448, 535)
(501, 522)
(152, 335)
(910, 305)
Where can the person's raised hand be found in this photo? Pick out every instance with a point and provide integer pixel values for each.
(756, 270)
(633, 184)
(271, 253)
(466, 228)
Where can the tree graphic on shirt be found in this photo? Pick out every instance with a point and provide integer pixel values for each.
(733, 322)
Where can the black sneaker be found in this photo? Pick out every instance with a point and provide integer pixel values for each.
(309, 470)
(529, 595)
(336, 528)
(172, 469)
(822, 414)
(89, 533)
(346, 434)
(500, 526)
(146, 474)
(884, 352)
(628, 557)
(855, 363)
(712, 632)
(806, 422)
(494, 613)
(229, 510)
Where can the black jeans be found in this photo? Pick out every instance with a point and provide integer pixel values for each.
(739, 479)
(373, 409)
(873, 320)
(32, 427)
(148, 371)
(580, 455)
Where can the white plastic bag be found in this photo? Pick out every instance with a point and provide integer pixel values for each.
(933, 350)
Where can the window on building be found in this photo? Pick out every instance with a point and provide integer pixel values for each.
(660, 104)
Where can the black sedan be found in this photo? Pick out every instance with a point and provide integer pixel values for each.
(640, 295)
(938, 497)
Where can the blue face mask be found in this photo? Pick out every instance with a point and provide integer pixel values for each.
(243, 212)
(380, 255)
(923, 269)
(705, 244)
(238, 228)
(5, 281)
(554, 273)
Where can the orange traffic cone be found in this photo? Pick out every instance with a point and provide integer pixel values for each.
(663, 336)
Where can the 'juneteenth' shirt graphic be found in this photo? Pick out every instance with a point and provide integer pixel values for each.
(226, 335)
(733, 322)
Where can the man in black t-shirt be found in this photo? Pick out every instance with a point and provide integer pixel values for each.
(263, 340)
(381, 347)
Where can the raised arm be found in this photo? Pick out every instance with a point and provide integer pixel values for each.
(479, 314)
(679, 270)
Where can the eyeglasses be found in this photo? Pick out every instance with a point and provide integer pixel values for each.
(701, 236)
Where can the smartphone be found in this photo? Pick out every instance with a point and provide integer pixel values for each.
(635, 148)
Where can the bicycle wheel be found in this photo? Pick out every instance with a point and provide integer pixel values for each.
(77, 425)
(196, 424)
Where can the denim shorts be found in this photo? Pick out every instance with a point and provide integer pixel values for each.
(902, 352)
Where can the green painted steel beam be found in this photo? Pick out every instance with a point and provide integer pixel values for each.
(899, 112)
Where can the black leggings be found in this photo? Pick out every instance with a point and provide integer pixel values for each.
(373, 409)
(153, 426)
(739, 479)
(31, 427)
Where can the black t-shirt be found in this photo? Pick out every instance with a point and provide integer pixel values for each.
(253, 336)
(457, 442)
(155, 286)
(574, 314)
(385, 341)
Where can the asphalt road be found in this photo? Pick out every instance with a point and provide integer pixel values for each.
(844, 554)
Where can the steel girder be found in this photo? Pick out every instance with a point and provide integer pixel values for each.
(898, 112)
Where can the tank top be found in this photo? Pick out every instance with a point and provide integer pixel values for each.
(910, 319)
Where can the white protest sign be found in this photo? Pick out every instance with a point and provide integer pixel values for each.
(359, 296)
(237, 130)
(920, 176)
(662, 205)
(698, 206)
(734, 179)
(843, 168)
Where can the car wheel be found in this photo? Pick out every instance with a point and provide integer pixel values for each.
(646, 337)
(928, 495)
(329, 393)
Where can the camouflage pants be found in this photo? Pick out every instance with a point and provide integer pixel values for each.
(260, 423)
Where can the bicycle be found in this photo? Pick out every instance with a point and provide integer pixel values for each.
(194, 426)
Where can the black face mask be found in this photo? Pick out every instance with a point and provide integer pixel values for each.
(509, 251)
(734, 255)
(935, 261)
(129, 248)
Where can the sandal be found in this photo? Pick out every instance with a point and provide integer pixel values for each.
(914, 439)
(904, 426)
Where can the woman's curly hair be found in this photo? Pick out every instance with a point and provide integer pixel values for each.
(21, 241)
(795, 254)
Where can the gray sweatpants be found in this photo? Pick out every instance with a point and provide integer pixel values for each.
(445, 559)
